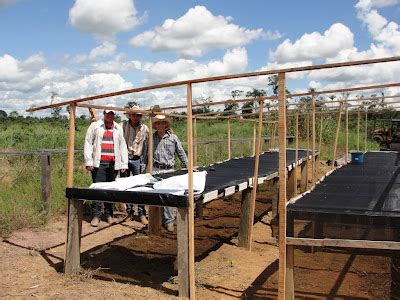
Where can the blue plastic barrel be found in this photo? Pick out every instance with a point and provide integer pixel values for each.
(357, 157)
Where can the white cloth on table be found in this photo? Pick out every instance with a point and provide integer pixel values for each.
(124, 183)
(176, 185)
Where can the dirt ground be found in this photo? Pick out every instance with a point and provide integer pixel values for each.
(121, 261)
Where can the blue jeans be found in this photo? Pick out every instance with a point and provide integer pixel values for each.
(104, 173)
(168, 212)
(134, 169)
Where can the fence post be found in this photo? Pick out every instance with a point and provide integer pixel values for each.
(45, 168)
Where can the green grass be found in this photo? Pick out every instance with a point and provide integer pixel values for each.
(20, 189)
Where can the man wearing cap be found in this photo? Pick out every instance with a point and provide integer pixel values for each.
(165, 146)
(105, 154)
(136, 134)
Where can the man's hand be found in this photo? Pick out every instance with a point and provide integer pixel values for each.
(89, 168)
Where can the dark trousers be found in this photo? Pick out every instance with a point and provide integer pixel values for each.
(134, 169)
(104, 173)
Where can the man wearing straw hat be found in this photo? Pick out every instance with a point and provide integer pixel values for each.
(105, 154)
(165, 146)
(136, 134)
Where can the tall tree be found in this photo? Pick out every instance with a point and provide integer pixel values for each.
(131, 104)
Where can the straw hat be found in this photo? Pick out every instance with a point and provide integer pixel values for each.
(133, 110)
(161, 118)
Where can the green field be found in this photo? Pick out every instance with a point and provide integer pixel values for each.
(20, 189)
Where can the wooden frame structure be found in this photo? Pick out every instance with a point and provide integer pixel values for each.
(185, 218)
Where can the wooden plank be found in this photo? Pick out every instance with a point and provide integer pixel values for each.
(45, 170)
(282, 186)
(194, 141)
(336, 137)
(275, 197)
(313, 141)
(250, 215)
(308, 145)
(225, 77)
(70, 180)
(291, 184)
(347, 136)
(289, 272)
(320, 145)
(303, 175)
(73, 247)
(254, 139)
(366, 130)
(192, 287)
(244, 225)
(229, 139)
(344, 243)
(183, 252)
(358, 130)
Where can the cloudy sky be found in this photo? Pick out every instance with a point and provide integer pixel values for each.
(77, 48)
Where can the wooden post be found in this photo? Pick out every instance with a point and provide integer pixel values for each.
(291, 184)
(73, 246)
(313, 141)
(254, 138)
(74, 213)
(296, 154)
(274, 135)
(283, 273)
(229, 139)
(243, 237)
(154, 211)
(303, 176)
(366, 130)
(192, 291)
(182, 222)
(320, 144)
(347, 135)
(358, 130)
(195, 141)
(250, 216)
(337, 136)
(46, 182)
(308, 146)
(93, 114)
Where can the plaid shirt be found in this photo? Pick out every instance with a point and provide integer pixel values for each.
(165, 148)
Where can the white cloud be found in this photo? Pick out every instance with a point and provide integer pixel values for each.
(234, 61)
(314, 45)
(368, 4)
(104, 18)
(106, 49)
(197, 32)
(9, 68)
(4, 3)
(115, 66)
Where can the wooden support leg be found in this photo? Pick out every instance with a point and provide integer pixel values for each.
(72, 261)
(291, 187)
(303, 177)
(244, 226)
(289, 282)
(199, 210)
(154, 220)
(275, 200)
(182, 221)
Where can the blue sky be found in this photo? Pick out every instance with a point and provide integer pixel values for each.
(78, 48)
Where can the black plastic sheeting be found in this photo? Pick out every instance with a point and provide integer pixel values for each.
(368, 189)
(219, 176)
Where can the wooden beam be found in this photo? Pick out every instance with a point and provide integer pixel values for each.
(336, 137)
(229, 139)
(313, 140)
(192, 286)
(308, 146)
(254, 138)
(282, 186)
(195, 141)
(45, 170)
(291, 184)
(366, 131)
(303, 175)
(182, 224)
(358, 130)
(347, 135)
(320, 144)
(289, 287)
(218, 78)
(296, 156)
(154, 211)
(74, 231)
(344, 243)
(250, 215)
(244, 226)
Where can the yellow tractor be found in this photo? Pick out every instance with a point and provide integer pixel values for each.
(387, 133)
